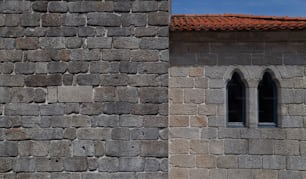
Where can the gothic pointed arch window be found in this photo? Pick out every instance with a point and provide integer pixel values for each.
(267, 101)
(236, 102)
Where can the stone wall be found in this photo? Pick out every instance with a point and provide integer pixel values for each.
(200, 143)
(84, 89)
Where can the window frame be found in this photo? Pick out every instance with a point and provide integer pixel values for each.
(275, 96)
(243, 110)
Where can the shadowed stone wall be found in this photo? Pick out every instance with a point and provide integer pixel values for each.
(84, 89)
(200, 143)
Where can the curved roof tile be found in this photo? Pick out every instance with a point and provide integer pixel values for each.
(235, 22)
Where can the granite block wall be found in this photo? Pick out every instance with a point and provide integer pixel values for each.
(84, 89)
(201, 145)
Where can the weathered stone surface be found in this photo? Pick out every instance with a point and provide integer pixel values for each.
(75, 164)
(75, 94)
(122, 148)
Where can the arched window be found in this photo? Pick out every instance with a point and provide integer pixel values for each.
(236, 102)
(267, 101)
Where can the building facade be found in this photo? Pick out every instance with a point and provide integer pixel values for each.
(84, 93)
(237, 97)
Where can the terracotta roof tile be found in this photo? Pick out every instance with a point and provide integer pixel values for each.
(235, 22)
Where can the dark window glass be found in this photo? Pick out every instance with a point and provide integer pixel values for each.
(236, 100)
(267, 100)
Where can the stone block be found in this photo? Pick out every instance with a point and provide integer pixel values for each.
(52, 20)
(39, 96)
(24, 68)
(75, 164)
(83, 148)
(52, 42)
(187, 133)
(154, 148)
(179, 146)
(182, 161)
(158, 18)
(43, 80)
(75, 94)
(274, 162)
(286, 147)
(215, 96)
(292, 121)
(114, 80)
(4, 95)
(151, 165)
(45, 134)
(21, 109)
(57, 7)
(104, 94)
(145, 109)
(77, 67)
(131, 121)
(8, 149)
(127, 94)
(52, 109)
(24, 164)
(153, 95)
(86, 55)
(122, 148)
(198, 146)
(183, 109)
(99, 42)
(131, 164)
(292, 96)
(261, 147)
(259, 174)
(40, 148)
(218, 121)
(6, 164)
(11, 80)
(103, 19)
(27, 43)
(206, 161)
(228, 161)
(134, 19)
(108, 164)
(160, 43)
(121, 134)
(289, 174)
(296, 163)
(235, 146)
(216, 147)
(21, 95)
(239, 173)
(145, 134)
(217, 174)
(60, 149)
(144, 55)
(178, 173)
(49, 164)
(91, 108)
(195, 96)
(116, 54)
(209, 133)
(126, 43)
(94, 133)
(104, 67)
(250, 161)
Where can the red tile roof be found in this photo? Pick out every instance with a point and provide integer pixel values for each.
(233, 22)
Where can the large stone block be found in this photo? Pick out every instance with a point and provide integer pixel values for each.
(122, 148)
(131, 164)
(75, 94)
(94, 133)
(75, 164)
(235, 146)
(154, 148)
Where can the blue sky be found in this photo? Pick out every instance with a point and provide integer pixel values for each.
(294, 8)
